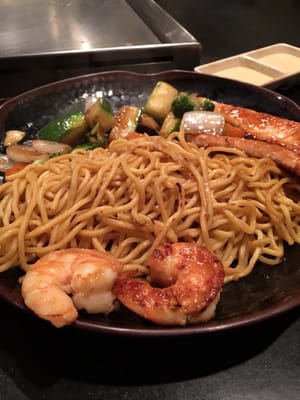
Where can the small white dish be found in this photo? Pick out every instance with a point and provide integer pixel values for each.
(263, 67)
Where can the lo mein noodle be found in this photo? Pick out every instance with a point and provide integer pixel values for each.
(139, 193)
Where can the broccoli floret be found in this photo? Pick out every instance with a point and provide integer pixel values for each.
(208, 105)
(182, 104)
(92, 145)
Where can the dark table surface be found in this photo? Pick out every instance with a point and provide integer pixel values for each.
(256, 362)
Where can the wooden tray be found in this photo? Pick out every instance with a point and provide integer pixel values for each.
(263, 67)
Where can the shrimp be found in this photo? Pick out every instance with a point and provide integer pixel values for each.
(188, 280)
(86, 275)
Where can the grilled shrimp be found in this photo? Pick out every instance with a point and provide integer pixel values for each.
(86, 275)
(188, 280)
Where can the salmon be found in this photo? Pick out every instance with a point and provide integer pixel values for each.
(283, 156)
(258, 134)
(249, 124)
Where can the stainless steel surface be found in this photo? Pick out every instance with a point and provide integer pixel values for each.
(47, 40)
(46, 27)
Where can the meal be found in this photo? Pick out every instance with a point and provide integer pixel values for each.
(154, 208)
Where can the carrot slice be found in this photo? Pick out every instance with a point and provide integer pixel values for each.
(15, 168)
(134, 135)
(231, 130)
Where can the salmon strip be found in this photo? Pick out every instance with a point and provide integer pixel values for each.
(250, 124)
(284, 157)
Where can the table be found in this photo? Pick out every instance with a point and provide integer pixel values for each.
(41, 362)
(256, 362)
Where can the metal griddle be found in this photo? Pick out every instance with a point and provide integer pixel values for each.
(47, 40)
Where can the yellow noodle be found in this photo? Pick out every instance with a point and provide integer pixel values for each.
(136, 194)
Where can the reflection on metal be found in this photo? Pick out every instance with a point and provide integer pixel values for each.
(46, 40)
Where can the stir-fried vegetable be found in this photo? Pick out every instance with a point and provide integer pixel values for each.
(208, 105)
(166, 110)
(68, 128)
(182, 104)
(100, 113)
(203, 122)
(160, 101)
(13, 136)
(169, 125)
(126, 122)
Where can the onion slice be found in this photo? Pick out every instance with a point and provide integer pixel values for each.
(5, 162)
(211, 123)
(49, 147)
(89, 101)
(23, 153)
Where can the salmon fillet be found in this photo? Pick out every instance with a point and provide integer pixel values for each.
(283, 156)
(250, 124)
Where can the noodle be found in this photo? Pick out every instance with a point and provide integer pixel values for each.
(138, 193)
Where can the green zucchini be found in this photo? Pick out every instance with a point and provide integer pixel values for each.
(96, 133)
(160, 100)
(69, 128)
(100, 112)
(126, 122)
(169, 125)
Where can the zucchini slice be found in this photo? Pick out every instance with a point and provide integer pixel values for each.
(100, 112)
(170, 124)
(69, 128)
(160, 100)
(126, 122)
(97, 133)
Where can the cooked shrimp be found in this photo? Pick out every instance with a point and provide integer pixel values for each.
(188, 280)
(86, 275)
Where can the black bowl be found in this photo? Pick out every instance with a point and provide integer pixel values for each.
(266, 292)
